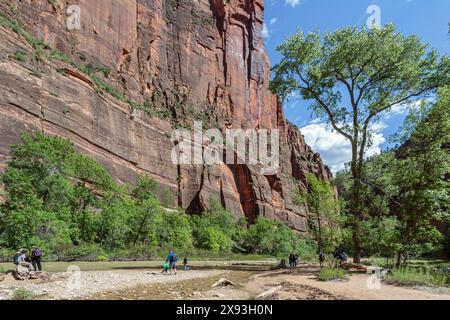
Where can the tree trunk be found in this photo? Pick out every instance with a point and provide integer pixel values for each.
(399, 259)
(356, 204)
(144, 221)
(356, 244)
(320, 233)
(405, 258)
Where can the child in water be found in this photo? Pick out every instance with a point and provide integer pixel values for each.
(165, 268)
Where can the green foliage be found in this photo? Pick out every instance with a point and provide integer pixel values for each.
(175, 231)
(328, 274)
(102, 258)
(376, 69)
(216, 229)
(114, 222)
(409, 186)
(145, 188)
(20, 55)
(167, 198)
(272, 237)
(46, 185)
(6, 254)
(23, 294)
(380, 236)
(67, 204)
(413, 276)
(325, 219)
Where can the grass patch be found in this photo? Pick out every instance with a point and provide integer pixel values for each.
(23, 294)
(420, 264)
(20, 55)
(328, 274)
(36, 74)
(2, 269)
(413, 277)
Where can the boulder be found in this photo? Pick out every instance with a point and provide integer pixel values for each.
(223, 283)
(267, 295)
(21, 273)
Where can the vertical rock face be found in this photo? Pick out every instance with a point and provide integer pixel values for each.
(186, 60)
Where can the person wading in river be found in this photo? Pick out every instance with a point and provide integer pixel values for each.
(172, 260)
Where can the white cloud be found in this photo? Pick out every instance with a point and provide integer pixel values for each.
(334, 149)
(401, 109)
(293, 3)
(378, 126)
(265, 32)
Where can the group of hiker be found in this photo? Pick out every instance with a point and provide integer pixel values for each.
(339, 255)
(33, 263)
(293, 260)
(171, 263)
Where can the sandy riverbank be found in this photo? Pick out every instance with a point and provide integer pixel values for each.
(64, 285)
(139, 284)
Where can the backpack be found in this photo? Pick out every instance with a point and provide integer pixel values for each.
(16, 259)
(37, 252)
(173, 258)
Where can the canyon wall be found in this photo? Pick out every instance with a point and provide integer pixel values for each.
(183, 60)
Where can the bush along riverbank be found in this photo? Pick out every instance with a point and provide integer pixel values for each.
(69, 205)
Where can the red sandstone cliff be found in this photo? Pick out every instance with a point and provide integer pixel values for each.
(186, 59)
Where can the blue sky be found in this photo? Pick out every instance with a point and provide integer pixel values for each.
(426, 18)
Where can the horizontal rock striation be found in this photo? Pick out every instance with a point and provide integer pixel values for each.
(183, 60)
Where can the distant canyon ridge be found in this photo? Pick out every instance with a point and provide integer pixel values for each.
(158, 65)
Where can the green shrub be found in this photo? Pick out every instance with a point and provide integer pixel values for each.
(274, 238)
(328, 274)
(69, 205)
(215, 240)
(175, 231)
(413, 276)
(20, 55)
(6, 255)
(217, 230)
(167, 199)
(306, 250)
(23, 294)
(102, 258)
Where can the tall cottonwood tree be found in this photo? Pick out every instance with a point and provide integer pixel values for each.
(325, 219)
(352, 76)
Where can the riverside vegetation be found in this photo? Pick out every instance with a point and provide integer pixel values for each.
(395, 205)
(390, 205)
(69, 205)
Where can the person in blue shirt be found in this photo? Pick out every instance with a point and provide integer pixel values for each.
(21, 259)
(172, 260)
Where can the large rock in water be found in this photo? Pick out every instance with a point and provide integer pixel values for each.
(190, 59)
